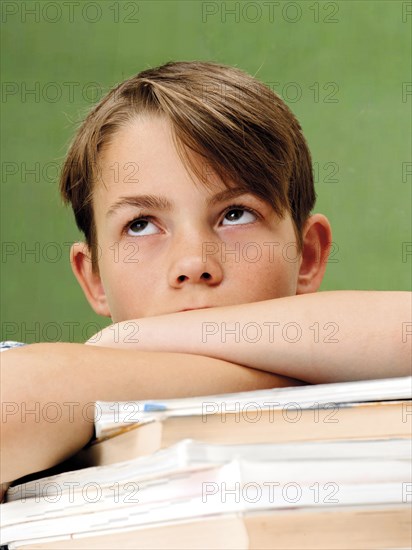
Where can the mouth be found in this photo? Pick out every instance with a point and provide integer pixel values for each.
(193, 308)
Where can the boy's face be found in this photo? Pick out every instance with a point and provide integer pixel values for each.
(194, 255)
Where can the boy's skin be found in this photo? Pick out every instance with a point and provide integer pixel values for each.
(172, 274)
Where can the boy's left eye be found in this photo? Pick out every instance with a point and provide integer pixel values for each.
(239, 215)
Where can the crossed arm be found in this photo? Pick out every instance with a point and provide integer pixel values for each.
(319, 338)
(315, 338)
(48, 391)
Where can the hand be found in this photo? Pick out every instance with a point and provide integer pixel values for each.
(123, 334)
(105, 337)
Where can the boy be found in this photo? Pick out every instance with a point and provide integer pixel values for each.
(154, 176)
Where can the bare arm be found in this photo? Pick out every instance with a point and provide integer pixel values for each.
(320, 338)
(48, 391)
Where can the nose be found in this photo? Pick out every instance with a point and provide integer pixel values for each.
(195, 269)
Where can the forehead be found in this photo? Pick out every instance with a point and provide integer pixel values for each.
(142, 157)
(140, 141)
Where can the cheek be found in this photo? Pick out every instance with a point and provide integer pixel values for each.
(118, 254)
(270, 276)
(129, 279)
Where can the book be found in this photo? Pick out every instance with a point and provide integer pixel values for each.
(325, 466)
(344, 494)
(347, 410)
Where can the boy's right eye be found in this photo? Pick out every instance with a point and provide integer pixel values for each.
(137, 226)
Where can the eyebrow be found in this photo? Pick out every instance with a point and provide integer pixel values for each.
(162, 203)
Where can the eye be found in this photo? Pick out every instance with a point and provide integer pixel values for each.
(240, 209)
(138, 227)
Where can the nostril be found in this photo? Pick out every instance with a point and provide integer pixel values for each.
(206, 276)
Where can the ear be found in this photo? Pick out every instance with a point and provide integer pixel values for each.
(317, 240)
(91, 283)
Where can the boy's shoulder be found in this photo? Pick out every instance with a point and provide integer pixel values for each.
(9, 344)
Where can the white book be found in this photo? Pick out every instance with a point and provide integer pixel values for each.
(112, 417)
(192, 481)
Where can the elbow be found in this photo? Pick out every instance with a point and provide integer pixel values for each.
(11, 464)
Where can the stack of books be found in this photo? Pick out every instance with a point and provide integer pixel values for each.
(309, 467)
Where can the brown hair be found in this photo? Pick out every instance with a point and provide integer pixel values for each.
(244, 131)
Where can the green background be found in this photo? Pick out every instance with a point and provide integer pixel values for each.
(357, 53)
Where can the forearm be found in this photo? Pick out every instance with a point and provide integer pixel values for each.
(48, 391)
(320, 338)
